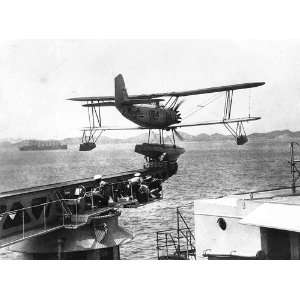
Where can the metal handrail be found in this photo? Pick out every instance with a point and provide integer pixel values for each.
(183, 220)
(181, 239)
(24, 232)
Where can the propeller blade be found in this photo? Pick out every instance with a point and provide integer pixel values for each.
(178, 105)
(180, 137)
(178, 117)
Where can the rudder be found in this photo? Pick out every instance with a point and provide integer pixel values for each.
(120, 90)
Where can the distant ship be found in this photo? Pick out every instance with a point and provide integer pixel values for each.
(35, 145)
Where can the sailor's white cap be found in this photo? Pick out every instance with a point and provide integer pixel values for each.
(137, 174)
(134, 180)
(97, 177)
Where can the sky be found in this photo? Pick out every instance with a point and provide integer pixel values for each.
(36, 76)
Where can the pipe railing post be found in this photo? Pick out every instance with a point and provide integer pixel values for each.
(166, 236)
(112, 192)
(76, 212)
(23, 223)
(157, 245)
(92, 198)
(178, 238)
(44, 213)
(63, 213)
(293, 171)
(187, 245)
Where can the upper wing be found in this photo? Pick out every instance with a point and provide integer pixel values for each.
(202, 91)
(141, 97)
(237, 120)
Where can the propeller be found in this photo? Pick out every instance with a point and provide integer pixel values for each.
(178, 114)
(178, 135)
(178, 117)
(178, 105)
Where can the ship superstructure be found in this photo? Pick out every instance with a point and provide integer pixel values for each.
(255, 225)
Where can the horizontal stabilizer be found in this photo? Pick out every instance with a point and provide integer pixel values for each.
(86, 99)
(128, 102)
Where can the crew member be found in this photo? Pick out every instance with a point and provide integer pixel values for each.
(100, 191)
(135, 184)
(79, 203)
(143, 193)
(99, 182)
(155, 188)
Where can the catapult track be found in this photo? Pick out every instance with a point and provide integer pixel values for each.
(114, 177)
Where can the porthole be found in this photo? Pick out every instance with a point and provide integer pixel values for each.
(222, 223)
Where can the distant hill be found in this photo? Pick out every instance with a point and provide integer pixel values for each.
(213, 137)
(283, 135)
(277, 135)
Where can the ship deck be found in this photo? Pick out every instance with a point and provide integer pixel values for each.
(283, 195)
(35, 211)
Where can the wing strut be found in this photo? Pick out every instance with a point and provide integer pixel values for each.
(228, 105)
(97, 114)
(90, 134)
(238, 133)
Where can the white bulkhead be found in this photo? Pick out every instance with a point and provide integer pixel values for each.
(255, 225)
(217, 227)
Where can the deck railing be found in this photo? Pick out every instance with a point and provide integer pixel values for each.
(23, 225)
(176, 243)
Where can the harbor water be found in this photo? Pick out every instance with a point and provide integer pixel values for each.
(207, 169)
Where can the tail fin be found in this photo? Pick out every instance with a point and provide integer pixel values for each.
(120, 90)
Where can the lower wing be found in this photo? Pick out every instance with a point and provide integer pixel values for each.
(227, 121)
(174, 126)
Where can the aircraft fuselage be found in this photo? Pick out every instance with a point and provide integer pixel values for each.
(151, 117)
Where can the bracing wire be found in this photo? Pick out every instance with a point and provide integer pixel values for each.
(249, 102)
(210, 100)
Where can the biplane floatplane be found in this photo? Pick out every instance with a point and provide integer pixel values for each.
(158, 111)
